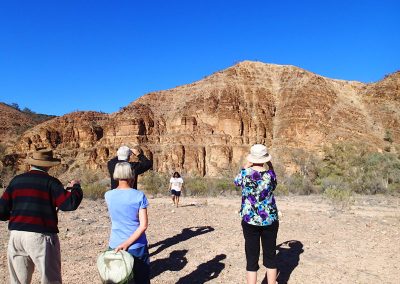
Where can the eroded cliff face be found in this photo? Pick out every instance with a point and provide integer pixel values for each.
(207, 127)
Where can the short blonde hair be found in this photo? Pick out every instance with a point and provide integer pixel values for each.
(123, 171)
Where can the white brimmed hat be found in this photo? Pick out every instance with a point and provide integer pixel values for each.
(258, 154)
(123, 153)
(115, 267)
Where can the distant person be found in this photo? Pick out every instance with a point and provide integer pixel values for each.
(127, 207)
(175, 187)
(123, 155)
(30, 203)
(259, 213)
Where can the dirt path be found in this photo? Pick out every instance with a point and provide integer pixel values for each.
(202, 241)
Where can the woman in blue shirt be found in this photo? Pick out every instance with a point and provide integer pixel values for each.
(128, 212)
(259, 212)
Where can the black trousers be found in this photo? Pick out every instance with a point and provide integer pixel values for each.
(252, 236)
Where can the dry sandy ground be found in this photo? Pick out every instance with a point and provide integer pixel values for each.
(202, 241)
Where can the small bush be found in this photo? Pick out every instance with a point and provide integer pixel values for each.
(298, 184)
(224, 186)
(196, 186)
(281, 189)
(154, 183)
(388, 136)
(93, 183)
(95, 190)
(341, 198)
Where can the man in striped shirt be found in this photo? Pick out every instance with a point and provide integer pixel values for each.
(30, 204)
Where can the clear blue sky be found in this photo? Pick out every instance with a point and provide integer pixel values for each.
(66, 55)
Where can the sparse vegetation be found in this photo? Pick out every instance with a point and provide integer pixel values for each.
(154, 183)
(345, 169)
(93, 184)
(205, 186)
(15, 106)
(157, 184)
(94, 190)
(388, 136)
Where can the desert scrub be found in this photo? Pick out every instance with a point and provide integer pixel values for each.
(340, 198)
(95, 190)
(281, 190)
(223, 186)
(154, 183)
(93, 183)
(297, 184)
(196, 186)
(360, 170)
(337, 192)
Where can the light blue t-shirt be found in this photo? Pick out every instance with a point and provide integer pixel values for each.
(123, 207)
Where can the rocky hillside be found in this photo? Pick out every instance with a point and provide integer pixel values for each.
(14, 122)
(206, 128)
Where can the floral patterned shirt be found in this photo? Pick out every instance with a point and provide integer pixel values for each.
(258, 202)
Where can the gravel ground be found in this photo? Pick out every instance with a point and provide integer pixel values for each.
(201, 241)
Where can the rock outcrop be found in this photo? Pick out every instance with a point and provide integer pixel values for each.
(207, 127)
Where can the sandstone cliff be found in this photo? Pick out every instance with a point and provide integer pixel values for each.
(206, 128)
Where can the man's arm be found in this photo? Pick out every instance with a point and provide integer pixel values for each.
(67, 199)
(143, 165)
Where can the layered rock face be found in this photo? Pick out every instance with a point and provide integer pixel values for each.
(207, 127)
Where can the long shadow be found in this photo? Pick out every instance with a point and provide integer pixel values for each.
(288, 259)
(186, 234)
(175, 262)
(205, 271)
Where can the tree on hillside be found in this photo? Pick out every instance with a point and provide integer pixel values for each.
(28, 111)
(15, 105)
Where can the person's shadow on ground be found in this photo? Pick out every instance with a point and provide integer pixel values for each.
(175, 262)
(205, 271)
(186, 234)
(288, 259)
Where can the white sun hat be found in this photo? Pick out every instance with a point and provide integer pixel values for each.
(115, 267)
(258, 154)
(123, 153)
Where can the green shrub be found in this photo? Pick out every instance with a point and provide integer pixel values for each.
(297, 184)
(281, 189)
(224, 186)
(388, 136)
(196, 186)
(93, 183)
(154, 183)
(361, 170)
(341, 198)
(95, 190)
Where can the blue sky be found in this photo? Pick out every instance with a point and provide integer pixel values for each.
(66, 55)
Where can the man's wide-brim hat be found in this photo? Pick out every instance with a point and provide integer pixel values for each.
(259, 154)
(43, 158)
(115, 267)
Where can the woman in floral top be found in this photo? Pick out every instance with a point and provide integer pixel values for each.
(259, 212)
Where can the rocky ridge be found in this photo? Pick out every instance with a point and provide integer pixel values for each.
(207, 127)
